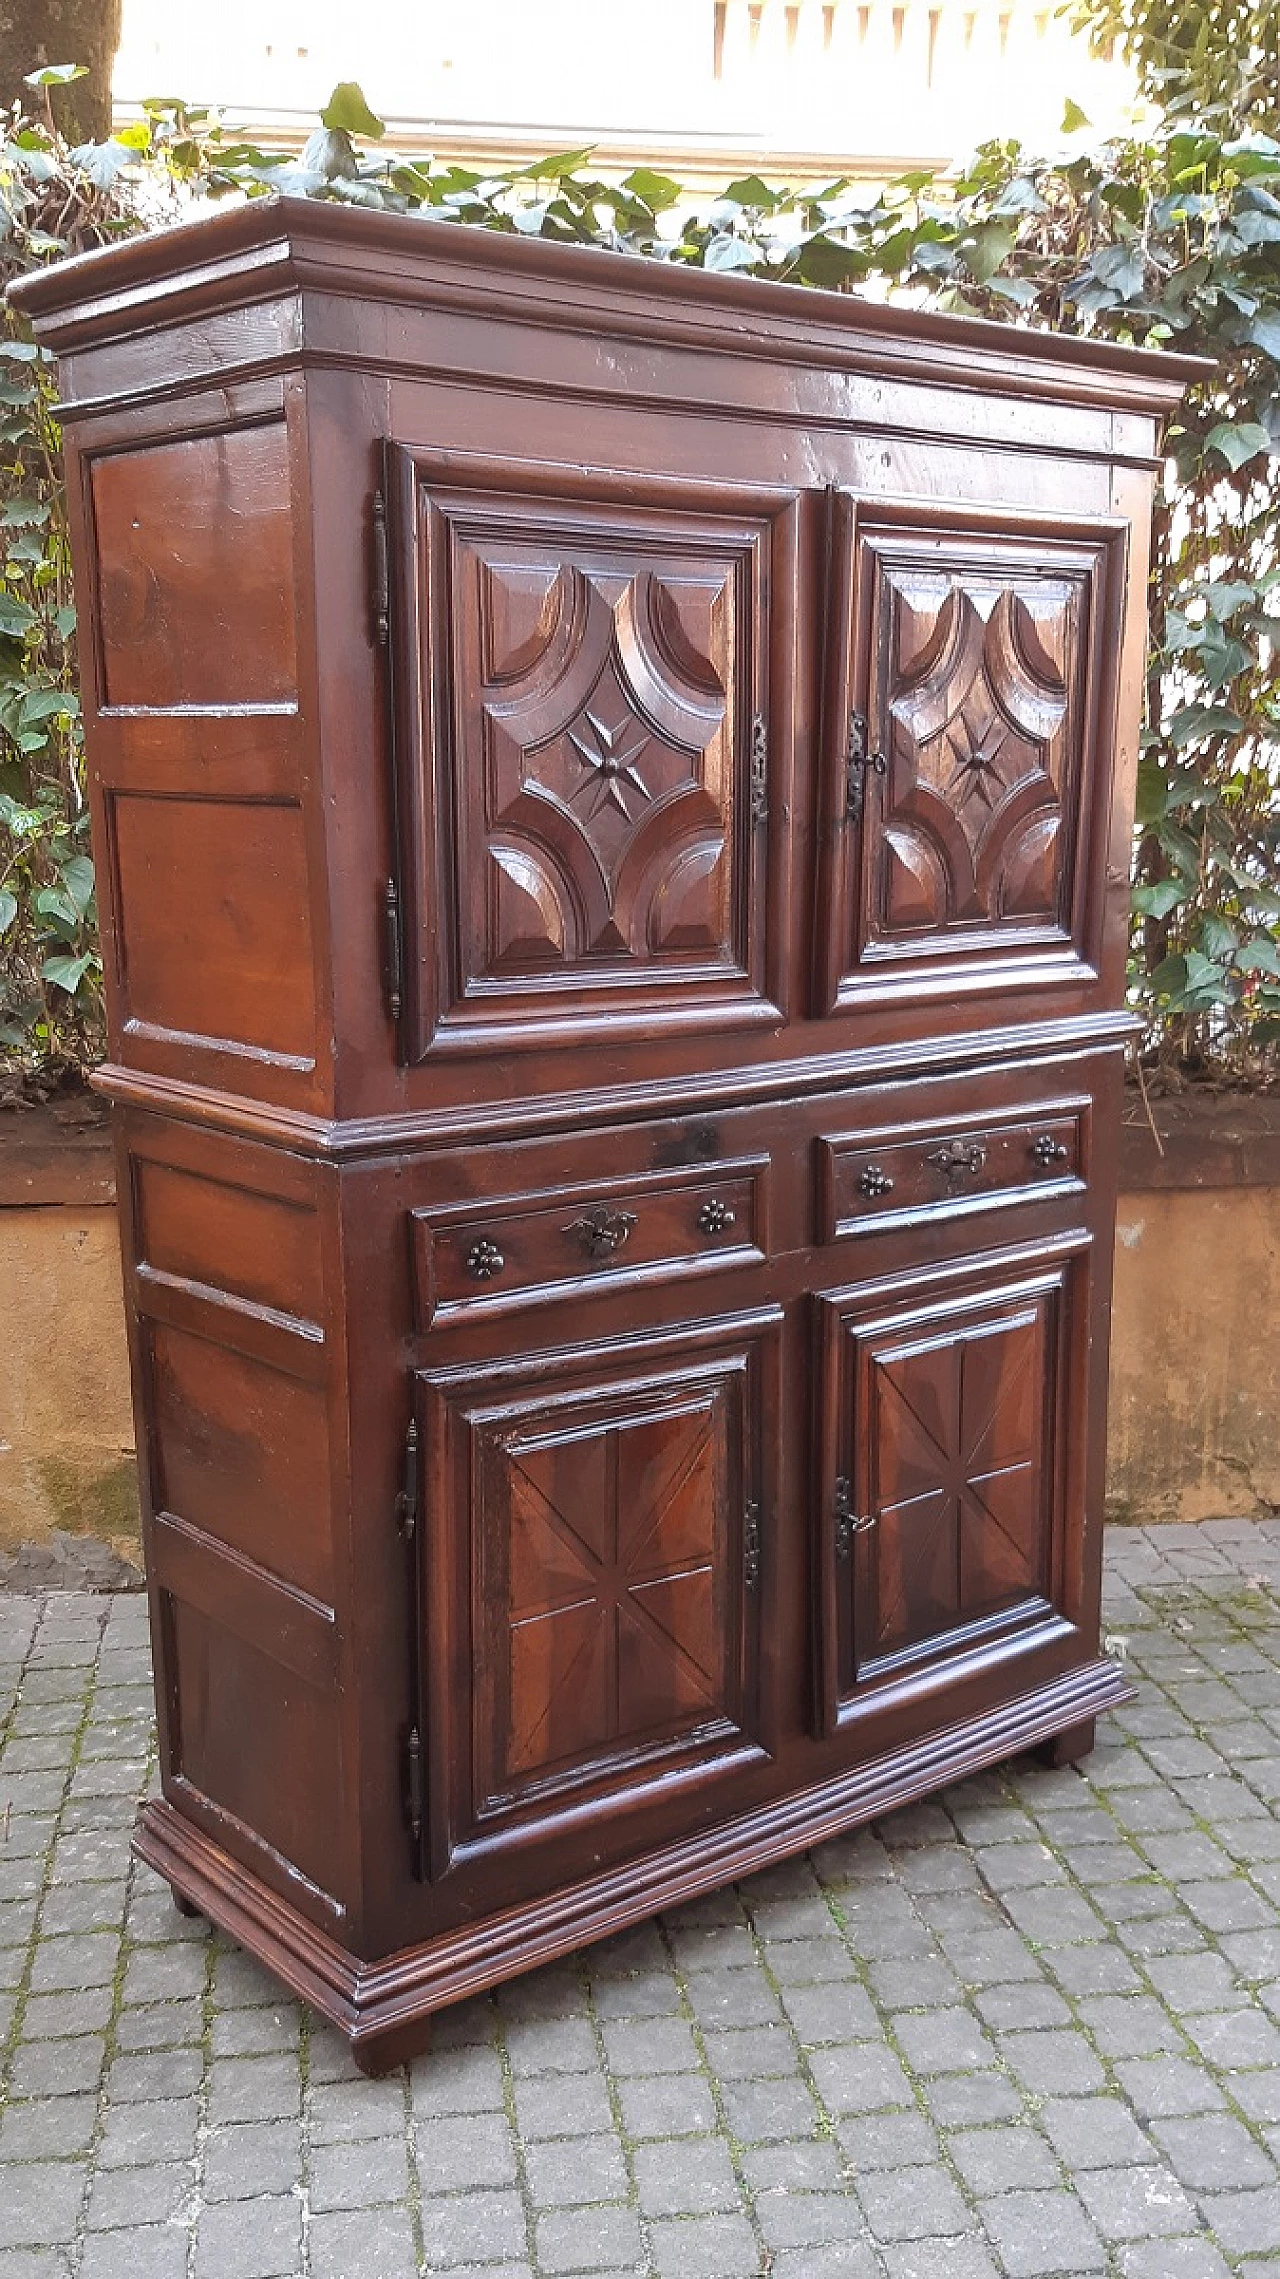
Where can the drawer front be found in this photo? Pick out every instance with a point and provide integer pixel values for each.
(902, 1174)
(514, 1250)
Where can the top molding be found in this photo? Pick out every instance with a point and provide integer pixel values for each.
(274, 247)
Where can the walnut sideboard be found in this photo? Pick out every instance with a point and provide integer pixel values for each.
(612, 797)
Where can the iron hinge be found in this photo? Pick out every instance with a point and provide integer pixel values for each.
(858, 764)
(407, 1500)
(392, 949)
(759, 769)
(413, 1781)
(751, 1544)
(848, 1522)
(381, 573)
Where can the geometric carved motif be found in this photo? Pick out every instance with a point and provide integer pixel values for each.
(979, 674)
(602, 798)
(610, 1621)
(957, 1429)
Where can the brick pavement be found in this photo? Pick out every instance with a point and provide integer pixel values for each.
(1030, 2028)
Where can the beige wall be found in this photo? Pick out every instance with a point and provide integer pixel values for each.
(66, 1427)
(1195, 1367)
(1195, 1364)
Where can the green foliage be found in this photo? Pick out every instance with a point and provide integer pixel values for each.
(1174, 240)
(1216, 59)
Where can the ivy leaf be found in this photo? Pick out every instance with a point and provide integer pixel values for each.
(1158, 900)
(67, 972)
(56, 75)
(1237, 444)
(348, 113)
(1196, 720)
(8, 909)
(1073, 119)
(15, 617)
(1264, 332)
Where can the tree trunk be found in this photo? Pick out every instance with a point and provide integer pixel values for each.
(34, 33)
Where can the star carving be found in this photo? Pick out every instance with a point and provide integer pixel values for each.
(610, 761)
(975, 771)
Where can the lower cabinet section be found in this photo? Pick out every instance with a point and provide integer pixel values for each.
(949, 1501)
(594, 1540)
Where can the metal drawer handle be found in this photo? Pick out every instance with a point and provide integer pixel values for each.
(715, 1216)
(1046, 1150)
(484, 1260)
(602, 1231)
(958, 1157)
(848, 1522)
(874, 1181)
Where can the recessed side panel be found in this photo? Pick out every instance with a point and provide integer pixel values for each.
(194, 543)
(969, 751)
(596, 1567)
(590, 740)
(214, 944)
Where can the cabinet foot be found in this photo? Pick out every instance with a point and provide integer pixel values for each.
(1069, 1747)
(184, 1905)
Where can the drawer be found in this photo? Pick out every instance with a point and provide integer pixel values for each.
(572, 1239)
(900, 1174)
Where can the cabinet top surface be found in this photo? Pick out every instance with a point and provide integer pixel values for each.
(276, 247)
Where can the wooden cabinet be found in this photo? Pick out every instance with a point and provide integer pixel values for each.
(612, 800)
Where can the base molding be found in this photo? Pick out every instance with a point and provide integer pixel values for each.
(384, 2008)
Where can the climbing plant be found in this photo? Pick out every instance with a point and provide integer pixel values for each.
(1173, 239)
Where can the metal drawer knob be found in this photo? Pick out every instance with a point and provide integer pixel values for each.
(715, 1216)
(484, 1260)
(1046, 1150)
(874, 1181)
(958, 1158)
(602, 1231)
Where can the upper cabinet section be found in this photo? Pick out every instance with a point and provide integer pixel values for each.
(592, 689)
(968, 737)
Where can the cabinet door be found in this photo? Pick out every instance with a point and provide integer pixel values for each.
(595, 1559)
(593, 698)
(952, 1427)
(968, 746)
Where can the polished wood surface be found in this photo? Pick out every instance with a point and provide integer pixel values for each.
(612, 791)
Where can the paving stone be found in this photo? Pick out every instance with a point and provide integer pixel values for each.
(940, 2259)
(159, 2194)
(1173, 2259)
(889, 2140)
(704, 2247)
(958, 2100)
(1002, 2159)
(255, 2239)
(360, 2108)
(759, 2112)
(1213, 2153)
(1038, 2233)
(944, 2041)
(679, 2179)
(1093, 2132)
(40, 2203)
(359, 2172)
(912, 2203)
(580, 2106)
(1052, 2060)
(247, 2158)
(145, 2251)
(1136, 2203)
(57, 2069)
(1158, 2086)
(589, 2240)
(809, 2219)
(1244, 2223)
(794, 2167)
(358, 2243)
(649, 2045)
(831, 2013)
(134, 2135)
(474, 2227)
(676, 2105)
(571, 2172)
(457, 2152)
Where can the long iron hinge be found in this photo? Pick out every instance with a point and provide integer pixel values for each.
(848, 1522)
(392, 949)
(858, 764)
(413, 1781)
(407, 1500)
(751, 1545)
(759, 769)
(381, 573)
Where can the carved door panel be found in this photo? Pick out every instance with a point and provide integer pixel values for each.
(594, 1569)
(949, 1491)
(968, 722)
(592, 705)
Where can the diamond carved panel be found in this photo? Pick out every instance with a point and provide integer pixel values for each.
(979, 675)
(607, 713)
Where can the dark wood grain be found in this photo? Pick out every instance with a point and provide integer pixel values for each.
(612, 792)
